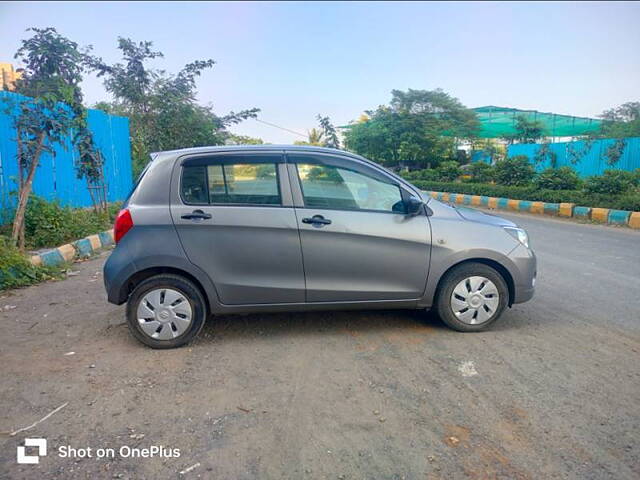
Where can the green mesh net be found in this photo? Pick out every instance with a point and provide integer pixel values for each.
(498, 122)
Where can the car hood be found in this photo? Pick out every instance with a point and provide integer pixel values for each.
(474, 215)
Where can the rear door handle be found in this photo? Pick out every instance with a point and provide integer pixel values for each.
(196, 214)
(317, 221)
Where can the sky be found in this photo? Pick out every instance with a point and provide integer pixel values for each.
(295, 60)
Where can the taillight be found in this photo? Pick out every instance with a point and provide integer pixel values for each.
(122, 225)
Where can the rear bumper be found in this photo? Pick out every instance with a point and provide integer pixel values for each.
(116, 273)
(524, 274)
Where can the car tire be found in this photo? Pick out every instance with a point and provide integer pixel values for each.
(471, 297)
(166, 311)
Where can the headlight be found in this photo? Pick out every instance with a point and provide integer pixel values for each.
(519, 234)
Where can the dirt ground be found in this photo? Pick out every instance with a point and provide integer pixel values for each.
(552, 391)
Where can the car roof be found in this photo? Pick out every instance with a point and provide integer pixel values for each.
(239, 148)
(172, 154)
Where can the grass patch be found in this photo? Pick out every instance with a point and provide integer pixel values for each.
(49, 224)
(17, 271)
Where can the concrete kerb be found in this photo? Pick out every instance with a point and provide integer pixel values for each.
(82, 248)
(568, 210)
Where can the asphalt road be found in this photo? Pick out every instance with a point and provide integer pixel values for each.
(552, 391)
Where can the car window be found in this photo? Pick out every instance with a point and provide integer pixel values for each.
(231, 183)
(244, 183)
(326, 186)
(194, 184)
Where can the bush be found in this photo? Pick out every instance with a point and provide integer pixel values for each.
(425, 174)
(449, 171)
(514, 171)
(480, 172)
(446, 172)
(612, 182)
(48, 224)
(15, 268)
(563, 178)
(630, 201)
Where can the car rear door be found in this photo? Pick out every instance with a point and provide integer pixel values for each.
(357, 242)
(236, 221)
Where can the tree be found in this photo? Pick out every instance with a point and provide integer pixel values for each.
(443, 110)
(243, 140)
(621, 122)
(162, 107)
(418, 129)
(53, 67)
(328, 132)
(314, 137)
(527, 131)
(325, 136)
(618, 123)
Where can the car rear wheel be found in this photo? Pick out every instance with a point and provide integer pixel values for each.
(166, 311)
(471, 297)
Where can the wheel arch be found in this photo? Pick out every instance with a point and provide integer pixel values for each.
(141, 275)
(497, 266)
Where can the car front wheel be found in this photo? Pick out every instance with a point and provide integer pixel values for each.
(166, 311)
(471, 297)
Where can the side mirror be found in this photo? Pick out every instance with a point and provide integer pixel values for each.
(413, 205)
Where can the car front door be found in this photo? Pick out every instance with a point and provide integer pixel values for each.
(236, 221)
(358, 244)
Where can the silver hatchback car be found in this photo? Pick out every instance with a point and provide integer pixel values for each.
(221, 230)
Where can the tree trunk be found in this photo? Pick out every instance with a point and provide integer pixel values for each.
(17, 233)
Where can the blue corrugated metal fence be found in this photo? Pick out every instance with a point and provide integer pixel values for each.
(56, 176)
(592, 161)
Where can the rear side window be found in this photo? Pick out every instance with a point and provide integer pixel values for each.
(231, 183)
(194, 184)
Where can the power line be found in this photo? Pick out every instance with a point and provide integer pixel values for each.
(281, 128)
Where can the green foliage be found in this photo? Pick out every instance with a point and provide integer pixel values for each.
(615, 151)
(328, 132)
(628, 201)
(15, 268)
(314, 137)
(527, 131)
(325, 175)
(418, 129)
(243, 140)
(544, 153)
(613, 182)
(449, 171)
(575, 155)
(515, 171)
(52, 74)
(429, 174)
(53, 67)
(161, 107)
(620, 122)
(480, 172)
(48, 224)
(563, 178)
(325, 136)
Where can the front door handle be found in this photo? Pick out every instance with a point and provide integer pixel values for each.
(317, 221)
(196, 214)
